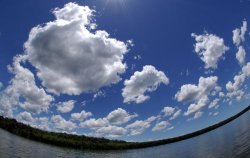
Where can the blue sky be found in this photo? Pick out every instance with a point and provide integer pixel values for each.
(124, 69)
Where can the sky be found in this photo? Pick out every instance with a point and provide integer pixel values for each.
(123, 69)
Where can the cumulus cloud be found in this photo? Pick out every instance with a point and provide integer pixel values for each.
(160, 126)
(93, 58)
(25, 117)
(214, 103)
(61, 124)
(171, 112)
(176, 114)
(65, 107)
(198, 114)
(234, 89)
(23, 91)
(139, 126)
(115, 117)
(120, 116)
(42, 123)
(197, 94)
(111, 131)
(191, 92)
(168, 111)
(80, 116)
(193, 108)
(239, 34)
(241, 55)
(210, 48)
(94, 123)
(142, 82)
(36, 122)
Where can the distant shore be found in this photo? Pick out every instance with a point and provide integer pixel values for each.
(92, 143)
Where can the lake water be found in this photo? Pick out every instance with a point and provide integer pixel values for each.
(231, 140)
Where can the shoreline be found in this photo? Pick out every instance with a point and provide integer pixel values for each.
(91, 143)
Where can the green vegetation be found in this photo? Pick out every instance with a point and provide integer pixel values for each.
(91, 143)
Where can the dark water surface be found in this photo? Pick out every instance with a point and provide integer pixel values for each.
(231, 140)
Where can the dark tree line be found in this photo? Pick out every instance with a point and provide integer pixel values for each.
(91, 143)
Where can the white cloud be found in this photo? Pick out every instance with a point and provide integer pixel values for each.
(210, 48)
(216, 113)
(25, 117)
(239, 34)
(241, 55)
(99, 94)
(94, 123)
(168, 111)
(39, 122)
(66, 106)
(42, 123)
(171, 112)
(214, 103)
(176, 114)
(108, 126)
(191, 92)
(80, 116)
(161, 126)
(139, 126)
(198, 114)
(111, 131)
(69, 52)
(198, 94)
(221, 94)
(142, 82)
(23, 91)
(115, 117)
(193, 108)
(234, 89)
(120, 116)
(61, 124)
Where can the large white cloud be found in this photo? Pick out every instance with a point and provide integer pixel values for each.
(139, 126)
(197, 106)
(37, 122)
(111, 131)
(23, 91)
(197, 94)
(94, 123)
(120, 116)
(142, 82)
(115, 117)
(210, 48)
(238, 39)
(69, 52)
(25, 117)
(160, 126)
(239, 34)
(59, 123)
(80, 116)
(234, 89)
(66, 106)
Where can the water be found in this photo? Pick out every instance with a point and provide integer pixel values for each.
(231, 140)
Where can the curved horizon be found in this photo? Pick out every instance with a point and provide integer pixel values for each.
(111, 69)
(91, 143)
